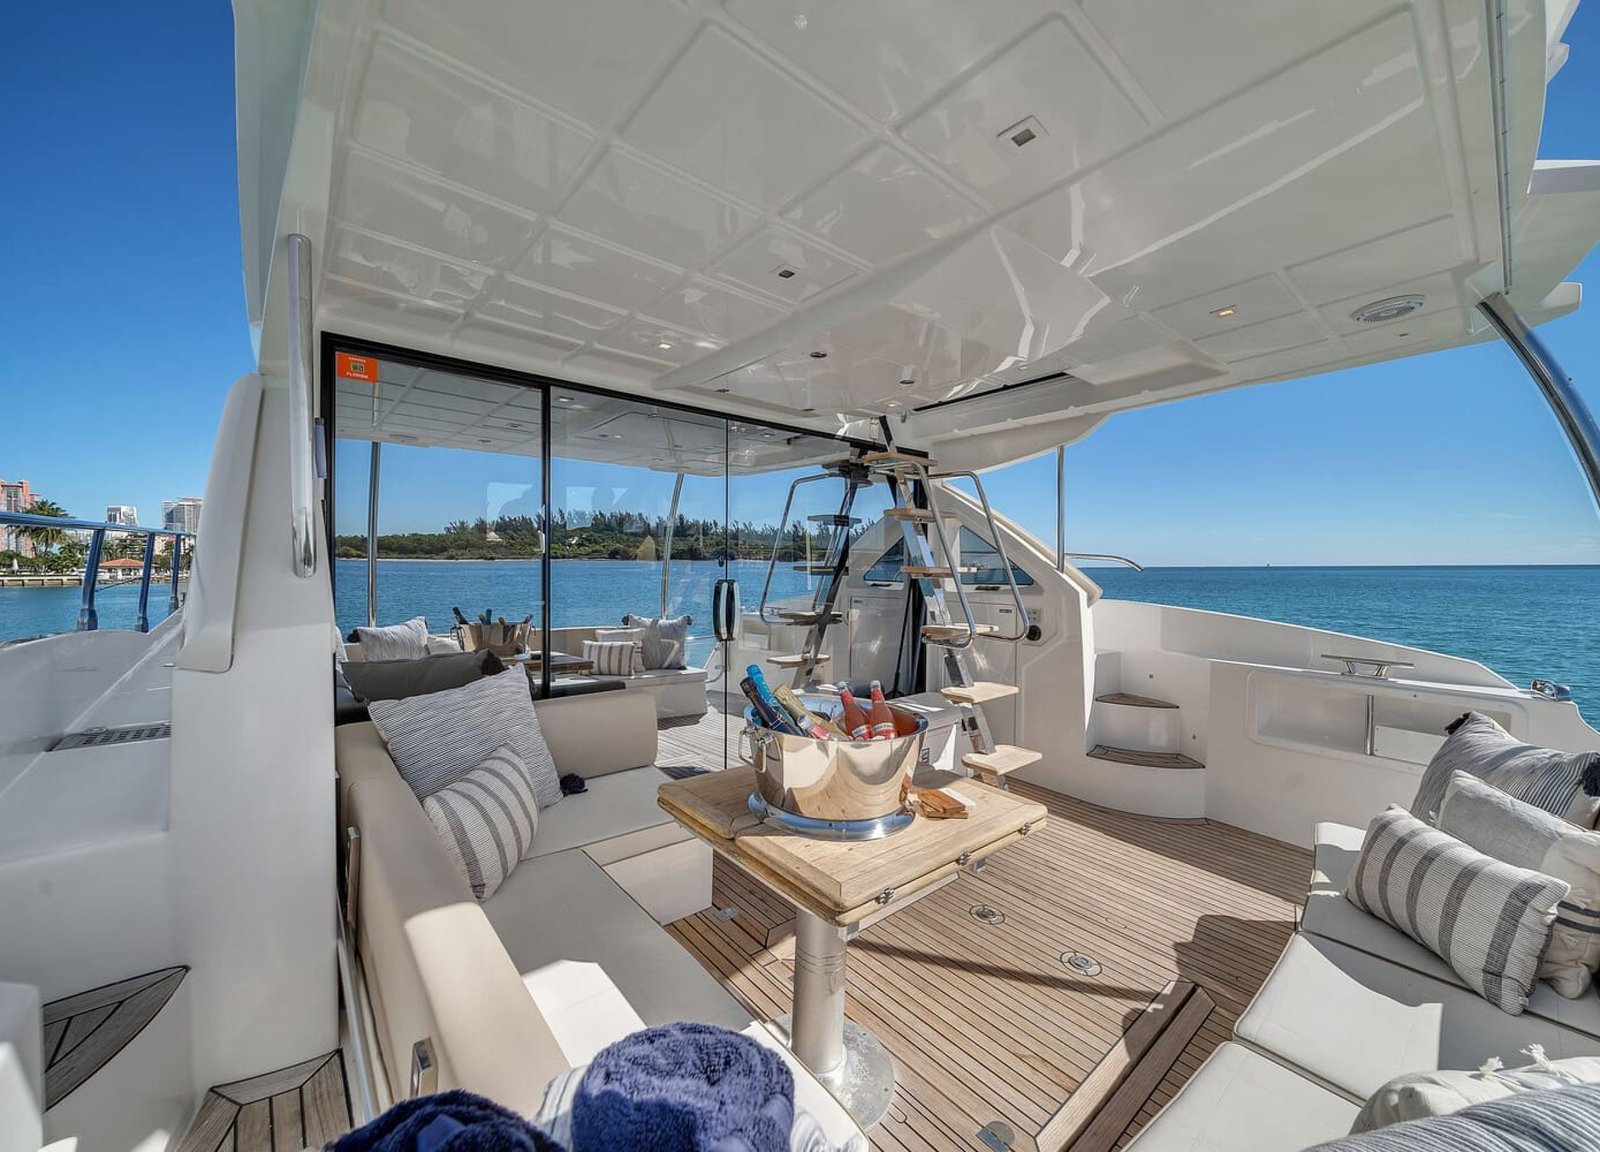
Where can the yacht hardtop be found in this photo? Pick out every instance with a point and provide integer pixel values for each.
(721, 311)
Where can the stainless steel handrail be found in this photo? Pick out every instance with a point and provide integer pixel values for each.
(88, 616)
(999, 546)
(1571, 412)
(1109, 557)
(302, 428)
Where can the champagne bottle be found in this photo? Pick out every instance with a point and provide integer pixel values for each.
(760, 681)
(770, 716)
(880, 716)
(798, 713)
(835, 732)
(855, 717)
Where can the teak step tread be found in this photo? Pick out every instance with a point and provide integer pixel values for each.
(893, 460)
(920, 515)
(836, 519)
(982, 691)
(933, 571)
(956, 631)
(796, 659)
(1132, 700)
(1005, 758)
(795, 617)
(1144, 759)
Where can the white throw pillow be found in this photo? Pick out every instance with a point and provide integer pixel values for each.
(1518, 833)
(614, 657)
(436, 739)
(487, 819)
(1419, 1094)
(405, 641)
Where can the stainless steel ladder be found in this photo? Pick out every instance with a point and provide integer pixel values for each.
(930, 559)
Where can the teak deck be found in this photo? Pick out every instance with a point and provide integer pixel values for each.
(1016, 1032)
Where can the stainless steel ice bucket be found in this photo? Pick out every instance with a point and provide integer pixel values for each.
(836, 780)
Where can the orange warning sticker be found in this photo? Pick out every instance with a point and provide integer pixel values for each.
(348, 367)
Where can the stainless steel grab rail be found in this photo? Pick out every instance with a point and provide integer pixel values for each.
(1106, 556)
(88, 617)
(302, 429)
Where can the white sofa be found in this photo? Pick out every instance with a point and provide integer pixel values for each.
(1351, 1004)
(568, 955)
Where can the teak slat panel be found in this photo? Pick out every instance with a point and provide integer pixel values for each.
(1156, 902)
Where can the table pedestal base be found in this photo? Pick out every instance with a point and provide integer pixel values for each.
(864, 1082)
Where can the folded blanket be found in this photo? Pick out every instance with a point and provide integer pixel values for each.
(684, 1088)
(447, 1122)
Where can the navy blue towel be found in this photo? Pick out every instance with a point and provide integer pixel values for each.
(446, 1122)
(684, 1088)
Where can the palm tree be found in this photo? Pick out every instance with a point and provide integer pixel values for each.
(42, 537)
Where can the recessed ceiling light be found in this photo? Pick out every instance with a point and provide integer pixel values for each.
(1391, 308)
(723, 391)
(819, 354)
(1226, 313)
(907, 382)
(1023, 132)
(482, 440)
(665, 345)
(808, 409)
(563, 399)
(784, 272)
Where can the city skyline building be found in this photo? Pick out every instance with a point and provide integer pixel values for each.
(181, 515)
(15, 496)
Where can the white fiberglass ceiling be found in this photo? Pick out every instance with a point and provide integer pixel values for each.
(820, 210)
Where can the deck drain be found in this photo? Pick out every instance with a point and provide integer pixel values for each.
(999, 1135)
(984, 914)
(1081, 964)
(726, 914)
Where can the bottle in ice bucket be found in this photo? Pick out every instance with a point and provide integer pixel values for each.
(802, 718)
(855, 719)
(767, 709)
(882, 719)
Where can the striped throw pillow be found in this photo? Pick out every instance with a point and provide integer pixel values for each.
(1481, 815)
(436, 739)
(614, 657)
(1542, 777)
(487, 819)
(1488, 920)
(408, 641)
(1557, 1120)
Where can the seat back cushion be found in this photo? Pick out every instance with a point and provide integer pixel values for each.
(436, 739)
(486, 820)
(406, 641)
(666, 639)
(1439, 1093)
(1543, 777)
(1488, 920)
(1554, 1121)
(397, 679)
(1520, 834)
(601, 733)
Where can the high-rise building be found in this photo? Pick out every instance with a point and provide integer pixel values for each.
(15, 496)
(181, 515)
(122, 514)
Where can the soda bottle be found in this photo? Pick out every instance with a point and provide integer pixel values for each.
(880, 716)
(854, 719)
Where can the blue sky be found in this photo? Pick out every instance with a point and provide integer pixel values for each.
(122, 325)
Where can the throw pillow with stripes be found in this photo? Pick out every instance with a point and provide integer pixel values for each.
(1481, 815)
(436, 739)
(1488, 920)
(487, 819)
(1557, 1120)
(613, 657)
(1543, 777)
(408, 641)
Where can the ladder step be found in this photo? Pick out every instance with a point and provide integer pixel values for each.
(837, 519)
(1005, 758)
(1142, 758)
(795, 617)
(1132, 700)
(978, 693)
(918, 515)
(937, 632)
(796, 659)
(815, 566)
(934, 571)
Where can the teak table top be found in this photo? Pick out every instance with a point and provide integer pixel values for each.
(844, 882)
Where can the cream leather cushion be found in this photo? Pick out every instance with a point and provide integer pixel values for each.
(599, 734)
(1240, 1101)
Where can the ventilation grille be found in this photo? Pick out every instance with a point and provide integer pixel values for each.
(99, 737)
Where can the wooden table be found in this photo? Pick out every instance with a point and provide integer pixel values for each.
(835, 886)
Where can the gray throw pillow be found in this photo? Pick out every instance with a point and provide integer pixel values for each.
(666, 639)
(1558, 1120)
(487, 820)
(1488, 920)
(1543, 777)
(1504, 827)
(436, 739)
(397, 679)
(405, 641)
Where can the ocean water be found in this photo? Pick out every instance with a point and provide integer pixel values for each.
(1522, 622)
